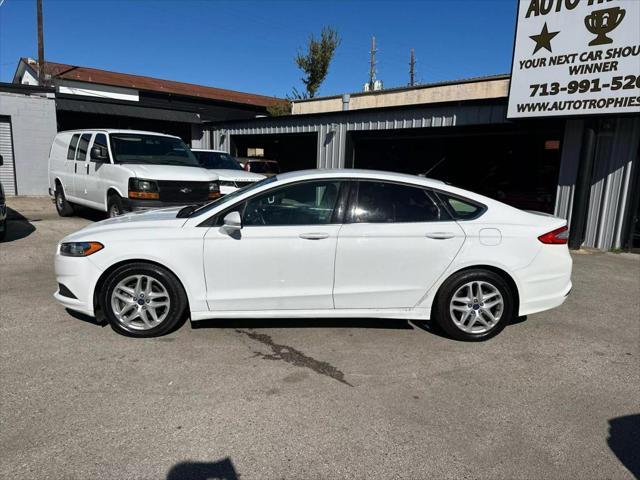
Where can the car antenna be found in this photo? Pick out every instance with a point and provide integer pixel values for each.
(437, 163)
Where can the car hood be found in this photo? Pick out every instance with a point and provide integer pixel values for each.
(172, 172)
(237, 175)
(152, 219)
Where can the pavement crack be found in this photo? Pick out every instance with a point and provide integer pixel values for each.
(294, 357)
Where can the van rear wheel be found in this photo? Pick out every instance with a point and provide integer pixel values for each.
(63, 206)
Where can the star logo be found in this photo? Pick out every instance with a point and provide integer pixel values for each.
(543, 40)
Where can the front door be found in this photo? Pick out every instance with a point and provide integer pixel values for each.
(396, 244)
(93, 174)
(283, 257)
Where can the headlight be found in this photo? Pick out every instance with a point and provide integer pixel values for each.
(145, 189)
(80, 249)
(214, 190)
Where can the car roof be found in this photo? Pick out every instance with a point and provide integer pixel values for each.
(118, 130)
(359, 173)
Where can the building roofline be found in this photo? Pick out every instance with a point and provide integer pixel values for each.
(488, 78)
(26, 89)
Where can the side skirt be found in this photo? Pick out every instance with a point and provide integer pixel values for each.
(401, 314)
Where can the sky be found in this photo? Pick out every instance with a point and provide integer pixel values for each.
(250, 45)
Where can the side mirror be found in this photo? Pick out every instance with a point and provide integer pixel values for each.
(232, 222)
(1, 161)
(99, 154)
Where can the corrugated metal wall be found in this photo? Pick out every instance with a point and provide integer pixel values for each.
(7, 171)
(333, 129)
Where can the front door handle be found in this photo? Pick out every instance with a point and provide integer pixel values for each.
(440, 235)
(314, 235)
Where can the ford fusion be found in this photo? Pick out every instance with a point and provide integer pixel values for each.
(321, 243)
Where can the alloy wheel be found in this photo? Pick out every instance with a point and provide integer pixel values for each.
(140, 302)
(476, 307)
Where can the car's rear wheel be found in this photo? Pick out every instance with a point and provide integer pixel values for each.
(143, 300)
(63, 206)
(474, 305)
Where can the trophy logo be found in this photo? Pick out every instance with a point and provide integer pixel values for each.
(601, 22)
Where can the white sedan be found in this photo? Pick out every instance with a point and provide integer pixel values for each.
(321, 243)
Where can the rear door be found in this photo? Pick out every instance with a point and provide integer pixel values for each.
(395, 245)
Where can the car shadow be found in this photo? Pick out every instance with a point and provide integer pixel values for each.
(98, 320)
(89, 213)
(624, 439)
(220, 470)
(369, 323)
(17, 226)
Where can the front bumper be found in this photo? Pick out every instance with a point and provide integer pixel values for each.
(133, 205)
(80, 276)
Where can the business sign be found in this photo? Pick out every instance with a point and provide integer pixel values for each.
(575, 57)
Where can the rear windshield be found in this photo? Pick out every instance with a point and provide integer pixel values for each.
(263, 167)
(151, 149)
(221, 160)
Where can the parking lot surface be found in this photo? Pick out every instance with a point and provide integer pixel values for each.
(555, 395)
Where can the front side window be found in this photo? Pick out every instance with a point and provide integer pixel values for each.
(83, 145)
(100, 141)
(71, 153)
(308, 203)
(221, 160)
(380, 202)
(151, 149)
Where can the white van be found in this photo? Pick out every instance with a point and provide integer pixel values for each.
(117, 171)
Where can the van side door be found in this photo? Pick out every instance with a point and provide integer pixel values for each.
(94, 173)
(80, 169)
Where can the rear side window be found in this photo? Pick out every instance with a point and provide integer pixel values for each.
(462, 209)
(71, 153)
(380, 202)
(83, 145)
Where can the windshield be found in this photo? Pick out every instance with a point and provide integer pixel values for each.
(151, 149)
(212, 160)
(232, 196)
(263, 167)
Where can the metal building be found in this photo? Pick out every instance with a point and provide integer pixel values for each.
(458, 131)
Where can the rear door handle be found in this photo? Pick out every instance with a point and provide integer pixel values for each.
(75, 167)
(87, 167)
(314, 235)
(440, 235)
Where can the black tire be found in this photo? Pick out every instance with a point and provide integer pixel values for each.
(63, 206)
(177, 297)
(443, 316)
(115, 206)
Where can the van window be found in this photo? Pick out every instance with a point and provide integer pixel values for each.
(100, 141)
(71, 153)
(83, 145)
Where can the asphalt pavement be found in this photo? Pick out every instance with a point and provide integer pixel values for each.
(555, 395)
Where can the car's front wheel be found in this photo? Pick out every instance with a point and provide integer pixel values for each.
(474, 305)
(143, 300)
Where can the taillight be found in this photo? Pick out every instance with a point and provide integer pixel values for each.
(558, 236)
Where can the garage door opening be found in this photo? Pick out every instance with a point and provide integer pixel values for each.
(292, 151)
(516, 165)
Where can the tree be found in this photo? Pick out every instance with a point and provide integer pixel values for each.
(315, 63)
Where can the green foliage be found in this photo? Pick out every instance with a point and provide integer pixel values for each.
(315, 62)
(279, 109)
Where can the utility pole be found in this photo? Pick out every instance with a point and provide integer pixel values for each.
(372, 65)
(41, 75)
(412, 65)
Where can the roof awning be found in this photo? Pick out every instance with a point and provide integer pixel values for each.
(103, 108)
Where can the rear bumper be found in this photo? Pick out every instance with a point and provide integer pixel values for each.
(546, 282)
